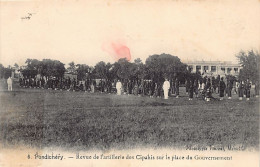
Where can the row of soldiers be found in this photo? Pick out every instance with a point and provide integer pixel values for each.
(141, 87)
(206, 87)
(52, 83)
(194, 86)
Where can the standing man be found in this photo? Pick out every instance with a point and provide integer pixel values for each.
(102, 85)
(240, 89)
(208, 90)
(229, 88)
(141, 88)
(92, 87)
(118, 87)
(247, 87)
(156, 94)
(166, 87)
(109, 86)
(136, 89)
(172, 86)
(222, 87)
(196, 87)
(191, 89)
(177, 85)
(187, 85)
(10, 84)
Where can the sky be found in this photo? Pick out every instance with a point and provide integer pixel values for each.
(87, 32)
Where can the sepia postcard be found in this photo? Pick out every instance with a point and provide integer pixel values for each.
(131, 83)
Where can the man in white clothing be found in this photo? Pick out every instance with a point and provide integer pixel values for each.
(166, 87)
(118, 87)
(10, 84)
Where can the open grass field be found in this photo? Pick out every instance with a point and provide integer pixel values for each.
(78, 120)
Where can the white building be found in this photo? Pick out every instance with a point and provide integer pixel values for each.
(214, 68)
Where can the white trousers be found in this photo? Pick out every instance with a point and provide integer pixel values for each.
(118, 91)
(165, 92)
(10, 87)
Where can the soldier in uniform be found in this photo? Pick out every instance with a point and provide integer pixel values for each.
(68, 84)
(208, 90)
(136, 89)
(177, 85)
(24, 82)
(30, 82)
(240, 89)
(213, 80)
(160, 89)
(102, 86)
(196, 87)
(109, 86)
(149, 88)
(156, 90)
(141, 88)
(247, 88)
(187, 85)
(20, 81)
(44, 81)
(229, 88)
(129, 87)
(172, 86)
(222, 87)
(191, 89)
(87, 85)
(92, 86)
(152, 89)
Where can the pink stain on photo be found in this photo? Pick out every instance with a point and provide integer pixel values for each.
(117, 50)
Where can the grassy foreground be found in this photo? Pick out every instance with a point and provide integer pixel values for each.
(45, 118)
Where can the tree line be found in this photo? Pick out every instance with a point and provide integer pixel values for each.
(156, 68)
(5, 72)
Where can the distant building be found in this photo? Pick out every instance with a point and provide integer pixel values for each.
(214, 68)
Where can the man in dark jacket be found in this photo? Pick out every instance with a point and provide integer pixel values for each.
(229, 88)
(247, 88)
(222, 87)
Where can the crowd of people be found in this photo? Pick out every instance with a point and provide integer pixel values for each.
(195, 87)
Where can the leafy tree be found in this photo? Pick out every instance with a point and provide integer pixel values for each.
(32, 67)
(82, 71)
(110, 73)
(29, 73)
(72, 67)
(123, 69)
(250, 63)
(2, 71)
(138, 61)
(16, 65)
(138, 70)
(164, 66)
(46, 67)
(106, 71)
(58, 69)
(101, 70)
(7, 72)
